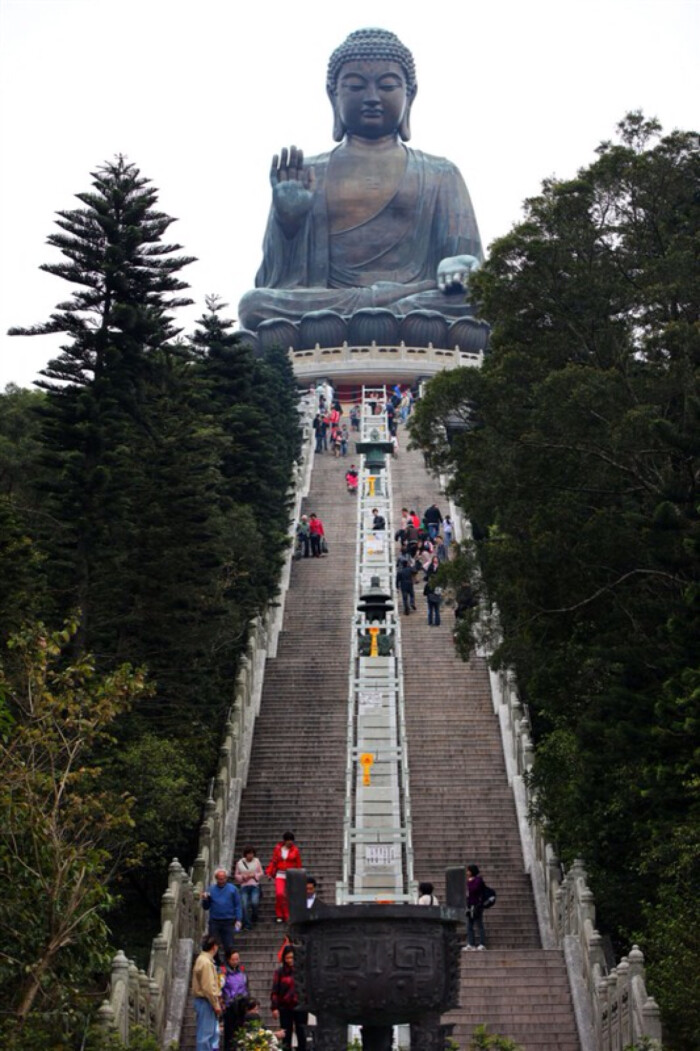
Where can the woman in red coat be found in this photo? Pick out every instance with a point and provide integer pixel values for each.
(285, 856)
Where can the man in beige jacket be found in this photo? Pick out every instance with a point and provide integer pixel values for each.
(206, 991)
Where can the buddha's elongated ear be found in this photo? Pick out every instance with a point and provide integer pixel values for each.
(339, 128)
(405, 123)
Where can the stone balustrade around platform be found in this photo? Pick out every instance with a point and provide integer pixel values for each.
(347, 363)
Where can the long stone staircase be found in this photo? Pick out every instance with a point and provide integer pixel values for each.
(462, 807)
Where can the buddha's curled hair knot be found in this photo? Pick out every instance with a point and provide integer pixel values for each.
(367, 45)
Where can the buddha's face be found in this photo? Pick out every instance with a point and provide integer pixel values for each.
(371, 98)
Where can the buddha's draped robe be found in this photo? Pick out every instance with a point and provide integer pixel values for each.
(389, 260)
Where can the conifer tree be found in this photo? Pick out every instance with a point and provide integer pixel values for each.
(254, 401)
(116, 319)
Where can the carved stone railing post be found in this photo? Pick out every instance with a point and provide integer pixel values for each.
(208, 836)
(159, 955)
(105, 1017)
(198, 871)
(144, 999)
(118, 1015)
(133, 992)
(225, 764)
(651, 1020)
(646, 1018)
(154, 1006)
(624, 1006)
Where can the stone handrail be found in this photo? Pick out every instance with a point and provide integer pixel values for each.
(612, 1006)
(156, 999)
(377, 358)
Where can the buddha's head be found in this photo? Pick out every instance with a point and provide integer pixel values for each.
(371, 83)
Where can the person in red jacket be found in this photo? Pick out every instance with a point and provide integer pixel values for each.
(316, 533)
(285, 1003)
(285, 856)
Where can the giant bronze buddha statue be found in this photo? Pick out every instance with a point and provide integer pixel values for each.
(373, 223)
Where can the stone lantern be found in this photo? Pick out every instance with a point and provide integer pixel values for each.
(375, 451)
(375, 603)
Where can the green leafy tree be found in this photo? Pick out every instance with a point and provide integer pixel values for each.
(20, 442)
(21, 571)
(60, 828)
(154, 523)
(576, 452)
(167, 784)
(482, 1040)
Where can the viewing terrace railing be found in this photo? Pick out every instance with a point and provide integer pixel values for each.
(381, 360)
(155, 998)
(378, 846)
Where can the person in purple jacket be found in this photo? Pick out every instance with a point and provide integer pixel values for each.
(234, 998)
(475, 909)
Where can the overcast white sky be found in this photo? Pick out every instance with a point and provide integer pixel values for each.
(200, 94)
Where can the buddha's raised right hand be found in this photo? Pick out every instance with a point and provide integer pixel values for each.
(293, 188)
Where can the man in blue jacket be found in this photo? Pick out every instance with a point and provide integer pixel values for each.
(223, 903)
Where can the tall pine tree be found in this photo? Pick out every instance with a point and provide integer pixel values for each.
(253, 399)
(94, 420)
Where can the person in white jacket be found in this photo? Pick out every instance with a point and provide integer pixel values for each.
(248, 874)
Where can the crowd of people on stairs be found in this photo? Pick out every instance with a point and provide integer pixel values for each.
(224, 1006)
